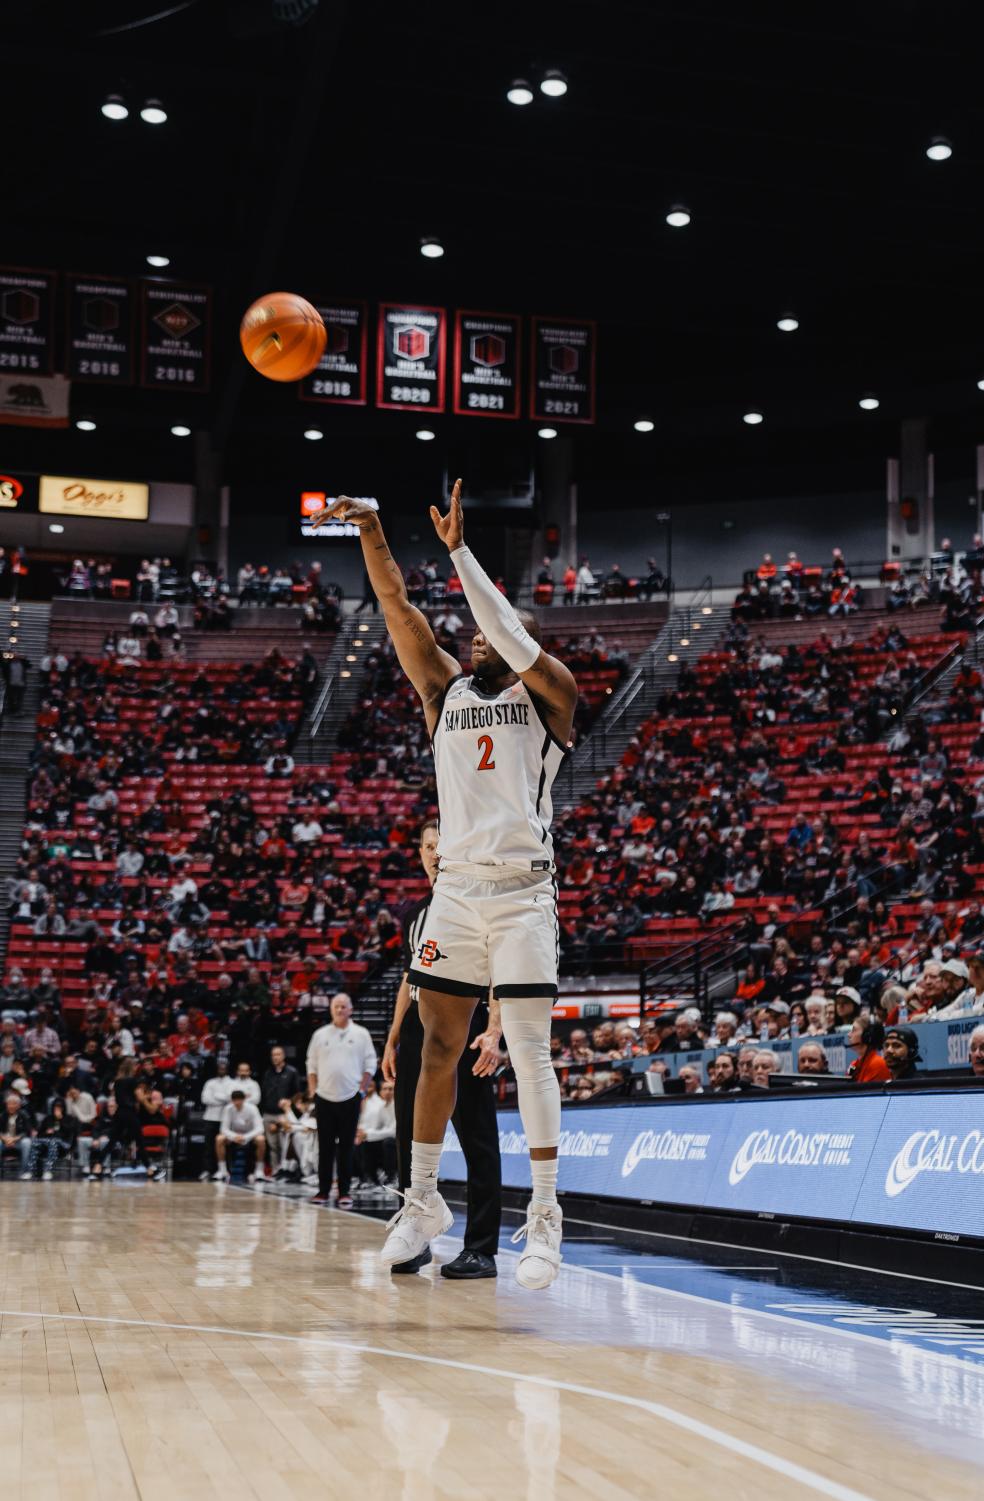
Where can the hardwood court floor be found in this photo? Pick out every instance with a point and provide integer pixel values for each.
(177, 1342)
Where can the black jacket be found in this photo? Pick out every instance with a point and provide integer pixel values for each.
(278, 1086)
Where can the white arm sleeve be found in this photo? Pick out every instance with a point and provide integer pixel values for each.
(494, 615)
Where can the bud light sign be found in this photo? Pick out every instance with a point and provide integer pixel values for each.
(914, 1161)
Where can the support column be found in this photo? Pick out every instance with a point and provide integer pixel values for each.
(558, 504)
(909, 494)
(207, 538)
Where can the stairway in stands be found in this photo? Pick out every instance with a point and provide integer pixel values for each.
(341, 683)
(29, 623)
(692, 628)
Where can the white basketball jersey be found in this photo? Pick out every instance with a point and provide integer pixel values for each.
(495, 761)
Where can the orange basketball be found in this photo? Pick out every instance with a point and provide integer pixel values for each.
(282, 336)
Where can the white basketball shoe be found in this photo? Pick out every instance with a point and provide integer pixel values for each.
(540, 1258)
(413, 1227)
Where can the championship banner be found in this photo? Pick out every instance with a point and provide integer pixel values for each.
(99, 339)
(486, 364)
(27, 321)
(176, 324)
(116, 500)
(562, 371)
(340, 375)
(410, 357)
(34, 401)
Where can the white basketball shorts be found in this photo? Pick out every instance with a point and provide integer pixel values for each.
(479, 931)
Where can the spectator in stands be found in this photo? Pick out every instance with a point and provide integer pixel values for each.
(686, 1036)
(723, 1074)
(764, 1065)
(865, 1038)
(55, 1138)
(241, 1126)
(587, 584)
(15, 668)
(691, 1079)
(41, 1034)
(975, 1052)
(17, 1131)
(725, 1033)
(969, 1001)
(812, 1059)
(746, 1065)
(847, 1007)
(901, 1052)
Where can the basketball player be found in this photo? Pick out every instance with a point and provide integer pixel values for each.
(474, 1119)
(500, 734)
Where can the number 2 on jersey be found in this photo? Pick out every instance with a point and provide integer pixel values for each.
(486, 763)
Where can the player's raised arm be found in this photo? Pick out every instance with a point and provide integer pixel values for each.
(428, 667)
(547, 678)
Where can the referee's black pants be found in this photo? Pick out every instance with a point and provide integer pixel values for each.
(337, 1125)
(474, 1121)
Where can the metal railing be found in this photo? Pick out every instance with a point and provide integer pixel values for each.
(593, 753)
(320, 709)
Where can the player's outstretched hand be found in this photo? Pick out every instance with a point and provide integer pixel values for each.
(488, 1059)
(344, 508)
(450, 528)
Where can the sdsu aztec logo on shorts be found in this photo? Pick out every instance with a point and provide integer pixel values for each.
(429, 953)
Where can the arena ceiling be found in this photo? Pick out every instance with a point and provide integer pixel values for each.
(311, 144)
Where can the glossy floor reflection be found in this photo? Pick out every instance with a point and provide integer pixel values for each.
(181, 1341)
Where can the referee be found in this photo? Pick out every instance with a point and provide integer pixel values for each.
(474, 1118)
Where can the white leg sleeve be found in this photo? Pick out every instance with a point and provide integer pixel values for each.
(526, 1028)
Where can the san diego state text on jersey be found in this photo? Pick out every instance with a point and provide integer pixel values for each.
(484, 716)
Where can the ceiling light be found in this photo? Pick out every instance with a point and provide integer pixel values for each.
(707, 610)
(644, 425)
(344, 673)
(114, 108)
(547, 432)
(153, 113)
(363, 627)
(753, 418)
(519, 92)
(869, 403)
(425, 435)
(85, 425)
(939, 149)
(673, 657)
(980, 385)
(158, 261)
(554, 84)
(788, 324)
(180, 431)
(351, 657)
(55, 526)
(313, 434)
(678, 217)
(431, 248)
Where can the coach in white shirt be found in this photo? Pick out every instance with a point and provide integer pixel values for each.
(241, 1124)
(341, 1061)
